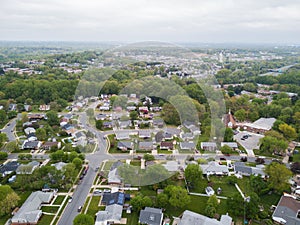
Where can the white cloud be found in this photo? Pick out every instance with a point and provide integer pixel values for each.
(173, 20)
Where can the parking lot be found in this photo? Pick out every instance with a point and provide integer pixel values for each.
(249, 143)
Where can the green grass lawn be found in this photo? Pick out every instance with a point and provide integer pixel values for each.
(59, 199)
(50, 209)
(296, 157)
(200, 188)
(108, 165)
(227, 189)
(132, 219)
(93, 207)
(45, 220)
(3, 219)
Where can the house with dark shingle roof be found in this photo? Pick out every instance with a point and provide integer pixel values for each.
(166, 145)
(145, 145)
(287, 211)
(125, 145)
(9, 168)
(151, 216)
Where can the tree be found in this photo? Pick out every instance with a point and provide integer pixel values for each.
(77, 162)
(133, 115)
(213, 201)
(83, 219)
(225, 149)
(178, 196)
(3, 138)
(140, 202)
(235, 205)
(162, 200)
(193, 174)
(288, 131)
(258, 184)
(272, 145)
(148, 157)
(41, 134)
(240, 115)
(279, 176)
(8, 199)
(210, 211)
(99, 124)
(228, 136)
(170, 115)
(3, 155)
(52, 118)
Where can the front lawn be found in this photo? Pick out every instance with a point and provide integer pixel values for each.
(94, 206)
(59, 199)
(45, 219)
(227, 189)
(50, 209)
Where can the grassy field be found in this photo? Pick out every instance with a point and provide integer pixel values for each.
(50, 209)
(45, 220)
(132, 219)
(93, 207)
(59, 199)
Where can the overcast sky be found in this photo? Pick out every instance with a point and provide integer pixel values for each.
(275, 21)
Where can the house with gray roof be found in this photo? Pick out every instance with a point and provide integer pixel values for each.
(125, 145)
(191, 218)
(287, 211)
(208, 146)
(242, 169)
(9, 168)
(144, 134)
(145, 145)
(214, 168)
(232, 145)
(30, 212)
(188, 146)
(31, 145)
(27, 168)
(111, 215)
(122, 135)
(151, 216)
(187, 136)
(124, 124)
(260, 126)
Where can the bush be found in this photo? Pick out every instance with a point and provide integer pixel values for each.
(3, 155)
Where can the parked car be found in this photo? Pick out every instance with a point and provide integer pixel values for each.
(70, 199)
(79, 209)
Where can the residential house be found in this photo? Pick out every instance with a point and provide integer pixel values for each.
(174, 131)
(80, 138)
(195, 130)
(172, 166)
(35, 117)
(191, 218)
(30, 212)
(242, 169)
(144, 109)
(125, 145)
(29, 130)
(59, 165)
(111, 215)
(44, 107)
(189, 146)
(144, 134)
(108, 124)
(151, 216)
(113, 176)
(287, 211)
(105, 107)
(124, 124)
(31, 145)
(232, 145)
(145, 145)
(187, 136)
(159, 136)
(27, 168)
(122, 135)
(158, 123)
(208, 146)
(114, 198)
(168, 145)
(214, 168)
(12, 107)
(31, 137)
(9, 168)
(101, 116)
(51, 144)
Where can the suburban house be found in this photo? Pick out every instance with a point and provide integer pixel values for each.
(124, 124)
(168, 145)
(260, 126)
(208, 146)
(214, 168)
(29, 130)
(44, 107)
(9, 168)
(242, 169)
(287, 210)
(113, 176)
(114, 198)
(30, 212)
(191, 218)
(172, 166)
(122, 135)
(159, 136)
(111, 215)
(151, 216)
(144, 134)
(101, 116)
(27, 168)
(175, 132)
(107, 124)
(51, 144)
(125, 145)
(232, 145)
(59, 165)
(145, 145)
(187, 136)
(32, 145)
(188, 146)
(35, 117)
(158, 123)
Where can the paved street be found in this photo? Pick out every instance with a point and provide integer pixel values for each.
(9, 130)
